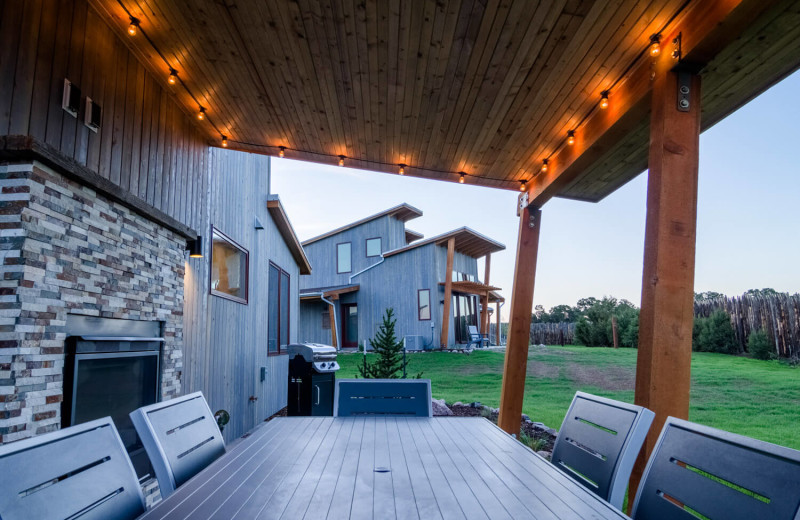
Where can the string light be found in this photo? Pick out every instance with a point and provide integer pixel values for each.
(133, 28)
(604, 99)
(173, 77)
(282, 152)
(545, 162)
(341, 160)
(201, 114)
(402, 170)
(461, 176)
(655, 45)
(224, 141)
(522, 186)
(571, 137)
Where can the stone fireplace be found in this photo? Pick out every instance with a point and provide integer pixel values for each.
(68, 250)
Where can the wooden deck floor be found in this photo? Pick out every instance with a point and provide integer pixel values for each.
(324, 467)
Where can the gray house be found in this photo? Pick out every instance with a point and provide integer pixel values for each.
(365, 267)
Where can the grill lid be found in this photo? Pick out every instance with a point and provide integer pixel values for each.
(312, 352)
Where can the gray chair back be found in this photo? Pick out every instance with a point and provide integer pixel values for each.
(181, 438)
(598, 444)
(717, 474)
(407, 397)
(82, 472)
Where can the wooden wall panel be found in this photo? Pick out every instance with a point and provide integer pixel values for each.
(146, 145)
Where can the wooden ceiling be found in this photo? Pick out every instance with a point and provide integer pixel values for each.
(487, 87)
(467, 241)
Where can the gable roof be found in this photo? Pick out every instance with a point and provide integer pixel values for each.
(287, 232)
(403, 212)
(467, 241)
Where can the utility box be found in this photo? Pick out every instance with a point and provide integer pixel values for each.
(312, 379)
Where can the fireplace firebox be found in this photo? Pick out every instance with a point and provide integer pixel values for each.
(111, 369)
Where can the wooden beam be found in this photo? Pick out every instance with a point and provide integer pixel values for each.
(665, 321)
(448, 291)
(705, 27)
(519, 326)
(497, 330)
(334, 334)
(485, 297)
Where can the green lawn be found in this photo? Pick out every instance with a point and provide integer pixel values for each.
(759, 399)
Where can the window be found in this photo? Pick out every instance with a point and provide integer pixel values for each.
(278, 305)
(229, 266)
(373, 247)
(424, 304)
(343, 264)
(326, 320)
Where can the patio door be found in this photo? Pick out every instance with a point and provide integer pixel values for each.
(349, 325)
(465, 313)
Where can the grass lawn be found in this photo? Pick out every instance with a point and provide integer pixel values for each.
(759, 399)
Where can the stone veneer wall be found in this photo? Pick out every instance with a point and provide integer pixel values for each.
(66, 249)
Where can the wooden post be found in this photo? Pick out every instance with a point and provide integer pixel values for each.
(614, 333)
(485, 297)
(665, 321)
(497, 330)
(519, 325)
(448, 291)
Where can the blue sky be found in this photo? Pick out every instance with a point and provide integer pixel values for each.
(748, 223)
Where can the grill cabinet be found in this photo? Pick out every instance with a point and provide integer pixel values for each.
(312, 379)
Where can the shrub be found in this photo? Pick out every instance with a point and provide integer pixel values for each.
(714, 334)
(594, 327)
(759, 345)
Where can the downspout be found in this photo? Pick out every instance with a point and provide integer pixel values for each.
(379, 262)
(335, 321)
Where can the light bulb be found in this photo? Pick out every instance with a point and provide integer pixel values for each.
(571, 137)
(544, 165)
(133, 28)
(461, 177)
(341, 160)
(224, 141)
(173, 77)
(402, 170)
(201, 114)
(655, 45)
(604, 100)
(522, 186)
(281, 153)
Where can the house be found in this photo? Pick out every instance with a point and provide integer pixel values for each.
(376, 263)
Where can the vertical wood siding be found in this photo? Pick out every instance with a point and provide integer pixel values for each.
(225, 342)
(146, 144)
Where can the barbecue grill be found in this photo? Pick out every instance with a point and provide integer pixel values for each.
(312, 379)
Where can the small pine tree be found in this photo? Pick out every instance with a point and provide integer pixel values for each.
(390, 363)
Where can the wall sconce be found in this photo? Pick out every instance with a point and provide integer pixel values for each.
(195, 247)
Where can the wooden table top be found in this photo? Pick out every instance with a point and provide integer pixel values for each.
(381, 467)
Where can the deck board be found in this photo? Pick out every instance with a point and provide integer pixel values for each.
(324, 467)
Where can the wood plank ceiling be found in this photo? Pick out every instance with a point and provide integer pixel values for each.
(487, 87)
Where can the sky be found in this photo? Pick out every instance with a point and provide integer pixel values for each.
(748, 215)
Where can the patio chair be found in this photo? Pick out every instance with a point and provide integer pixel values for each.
(598, 444)
(476, 338)
(403, 397)
(78, 472)
(181, 438)
(701, 472)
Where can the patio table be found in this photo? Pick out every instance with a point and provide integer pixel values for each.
(381, 467)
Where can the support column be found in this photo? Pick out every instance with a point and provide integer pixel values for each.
(448, 291)
(497, 329)
(485, 297)
(519, 325)
(665, 321)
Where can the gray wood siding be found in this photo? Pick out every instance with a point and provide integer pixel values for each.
(322, 254)
(309, 323)
(147, 145)
(225, 342)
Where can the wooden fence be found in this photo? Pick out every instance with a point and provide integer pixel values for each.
(553, 333)
(777, 315)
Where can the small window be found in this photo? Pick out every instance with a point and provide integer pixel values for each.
(278, 310)
(424, 304)
(229, 263)
(326, 320)
(373, 247)
(343, 258)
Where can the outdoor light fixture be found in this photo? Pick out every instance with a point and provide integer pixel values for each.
(341, 160)
(195, 247)
(133, 28)
(522, 186)
(173, 77)
(571, 137)
(202, 114)
(281, 153)
(655, 45)
(402, 170)
(604, 99)
(544, 165)
(224, 141)
(461, 177)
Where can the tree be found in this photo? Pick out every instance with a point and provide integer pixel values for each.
(390, 363)
(707, 296)
(767, 291)
(759, 345)
(594, 328)
(714, 334)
